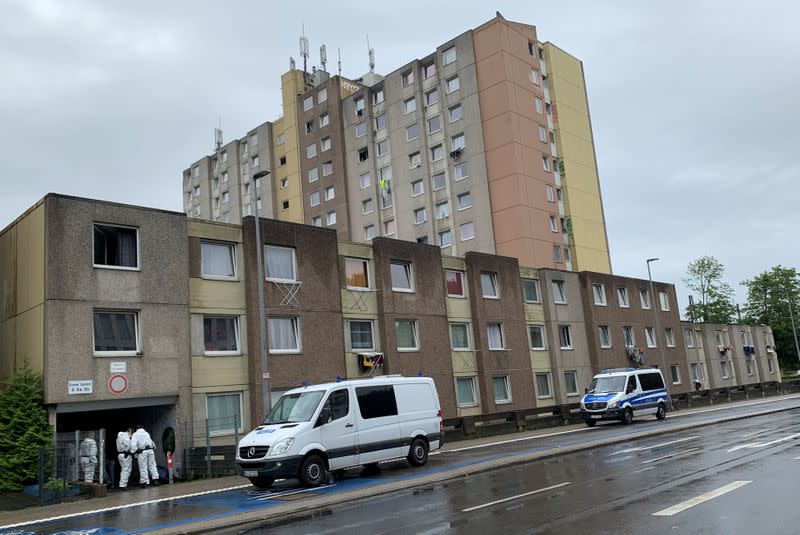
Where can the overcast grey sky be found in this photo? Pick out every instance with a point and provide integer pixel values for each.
(694, 104)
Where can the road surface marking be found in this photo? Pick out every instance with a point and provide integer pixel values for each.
(762, 431)
(274, 495)
(646, 469)
(697, 500)
(514, 497)
(797, 458)
(510, 441)
(670, 455)
(763, 444)
(654, 446)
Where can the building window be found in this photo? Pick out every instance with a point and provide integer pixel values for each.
(221, 335)
(281, 264)
(311, 150)
(461, 171)
(467, 231)
(431, 97)
(389, 227)
(322, 95)
(553, 224)
(688, 338)
(644, 299)
(363, 154)
(539, 107)
(410, 105)
(604, 334)
(675, 373)
(226, 217)
(361, 335)
(366, 180)
(361, 129)
(332, 218)
(694, 372)
(452, 84)
(116, 332)
(464, 201)
(419, 216)
(457, 142)
(282, 161)
(599, 292)
(325, 144)
(284, 183)
(412, 132)
(546, 163)
(226, 197)
(530, 290)
(224, 413)
(770, 365)
(428, 70)
(535, 77)
(459, 336)
(408, 78)
(324, 119)
(401, 276)
(367, 206)
(284, 334)
(434, 124)
(358, 105)
(489, 285)
(571, 382)
(536, 337)
(437, 153)
(455, 283)
(455, 113)
(196, 171)
(726, 368)
(330, 193)
(308, 103)
(224, 156)
(423, 240)
(217, 260)
(414, 160)
(442, 210)
(565, 336)
(502, 389)
(316, 221)
(383, 147)
(116, 247)
(543, 389)
(670, 334)
(557, 254)
(663, 298)
(465, 392)
(628, 336)
(449, 56)
(407, 336)
(494, 336)
(281, 139)
(386, 199)
(650, 336)
(622, 296)
(313, 174)
(327, 168)
(550, 193)
(377, 97)
(380, 122)
(445, 238)
(357, 273)
(559, 295)
(542, 134)
(369, 232)
(417, 188)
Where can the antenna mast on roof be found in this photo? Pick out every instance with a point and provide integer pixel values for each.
(304, 49)
(339, 50)
(323, 57)
(218, 135)
(371, 54)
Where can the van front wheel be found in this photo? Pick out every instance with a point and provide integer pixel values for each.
(262, 482)
(661, 412)
(418, 454)
(627, 416)
(312, 471)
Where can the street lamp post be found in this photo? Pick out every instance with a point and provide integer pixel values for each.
(262, 331)
(655, 316)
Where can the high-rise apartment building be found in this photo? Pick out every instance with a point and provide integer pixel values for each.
(483, 145)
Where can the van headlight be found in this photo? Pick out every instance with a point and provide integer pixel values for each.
(613, 404)
(281, 447)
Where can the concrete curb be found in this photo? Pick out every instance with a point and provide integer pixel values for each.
(253, 518)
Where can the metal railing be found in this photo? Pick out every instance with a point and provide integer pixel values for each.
(211, 446)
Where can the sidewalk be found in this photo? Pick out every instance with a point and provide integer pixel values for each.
(117, 499)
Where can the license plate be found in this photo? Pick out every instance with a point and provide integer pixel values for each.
(595, 416)
(251, 473)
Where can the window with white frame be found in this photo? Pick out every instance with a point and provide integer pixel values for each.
(377, 97)
(688, 338)
(316, 221)
(369, 232)
(467, 230)
(670, 335)
(313, 174)
(417, 188)
(116, 247)
(221, 335)
(530, 290)
(314, 198)
(464, 200)
(726, 368)
(281, 264)
(389, 227)
(432, 97)
(226, 197)
(452, 84)
(571, 382)
(622, 297)
(367, 206)
(330, 193)
(331, 217)
(536, 337)
(494, 336)
(535, 77)
(116, 332)
(550, 193)
(565, 336)
(407, 335)
(383, 147)
(281, 139)
(546, 163)
(322, 95)
(539, 105)
(459, 337)
(358, 105)
(366, 180)
(502, 389)
(284, 334)
(457, 142)
(439, 181)
(770, 365)
(327, 168)
(628, 336)
(675, 372)
(256, 162)
(559, 292)
(663, 298)
(543, 389)
(461, 171)
(414, 160)
(599, 292)
(356, 273)
(465, 392)
(434, 124)
(445, 238)
(489, 285)
(408, 78)
(410, 105)
(217, 260)
(401, 276)
(224, 413)
(361, 338)
(557, 254)
(308, 103)
(604, 334)
(380, 122)
(361, 129)
(442, 210)
(311, 150)
(542, 134)
(419, 216)
(553, 223)
(412, 132)
(644, 299)
(455, 113)
(694, 371)
(455, 283)
(325, 144)
(324, 120)
(650, 336)
(449, 56)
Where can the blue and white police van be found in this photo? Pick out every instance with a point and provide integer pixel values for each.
(622, 393)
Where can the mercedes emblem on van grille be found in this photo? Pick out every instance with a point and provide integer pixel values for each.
(251, 452)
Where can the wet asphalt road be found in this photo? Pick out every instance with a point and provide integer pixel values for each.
(615, 489)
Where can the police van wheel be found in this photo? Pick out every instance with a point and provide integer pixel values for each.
(590, 423)
(661, 412)
(313, 471)
(627, 416)
(262, 482)
(418, 453)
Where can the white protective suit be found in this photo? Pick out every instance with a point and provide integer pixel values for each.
(88, 453)
(143, 446)
(125, 458)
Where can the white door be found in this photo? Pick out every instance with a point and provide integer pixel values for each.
(337, 429)
(378, 429)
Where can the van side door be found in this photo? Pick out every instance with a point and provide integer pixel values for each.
(417, 411)
(378, 436)
(337, 429)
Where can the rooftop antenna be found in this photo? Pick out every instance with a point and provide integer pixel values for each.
(323, 57)
(371, 54)
(291, 63)
(304, 49)
(218, 135)
(339, 50)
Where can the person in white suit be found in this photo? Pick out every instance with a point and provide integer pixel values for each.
(88, 452)
(143, 448)
(125, 457)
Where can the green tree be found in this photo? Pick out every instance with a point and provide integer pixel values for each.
(713, 297)
(768, 298)
(24, 428)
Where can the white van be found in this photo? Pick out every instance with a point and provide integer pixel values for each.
(622, 393)
(333, 426)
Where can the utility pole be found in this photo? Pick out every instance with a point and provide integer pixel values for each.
(262, 331)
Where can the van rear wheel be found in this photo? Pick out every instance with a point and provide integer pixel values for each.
(661, 412)
(418, 454)
(312, 471)
(627, 416)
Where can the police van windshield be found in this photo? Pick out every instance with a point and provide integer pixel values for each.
(600, 385)
(294, 407)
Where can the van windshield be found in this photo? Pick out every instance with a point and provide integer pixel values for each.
(600, 385)
(294, 407)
